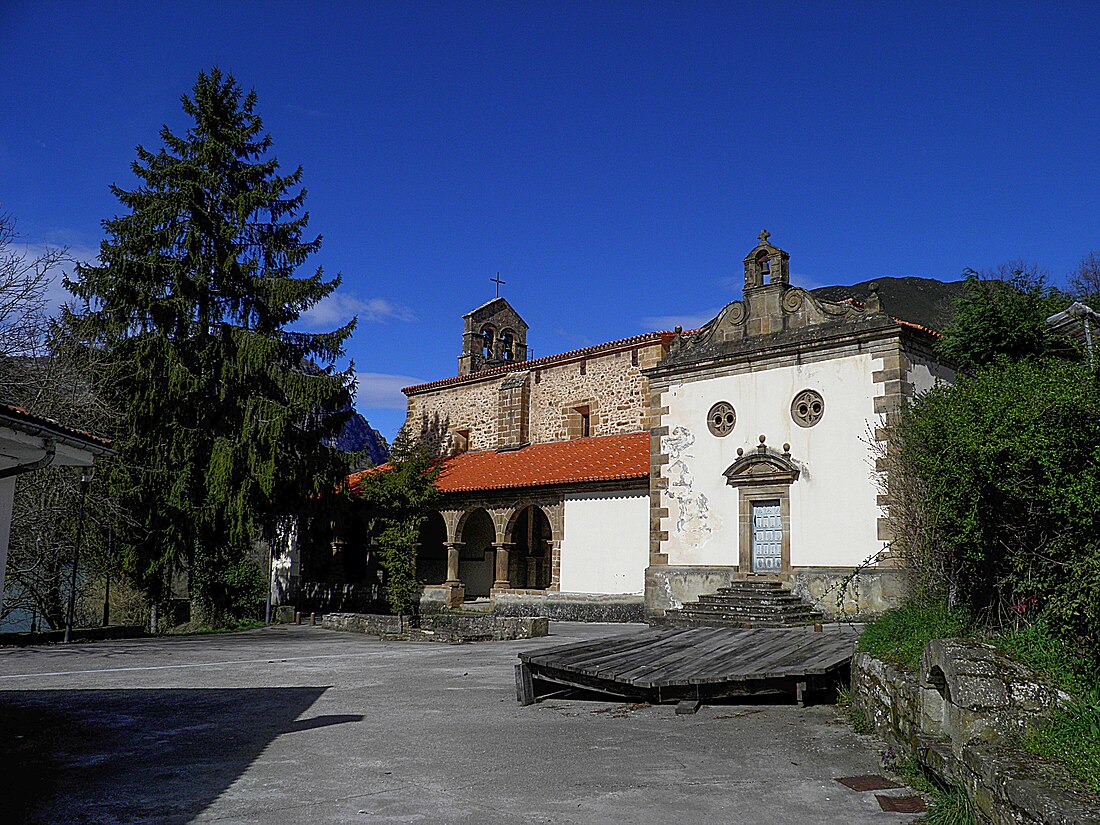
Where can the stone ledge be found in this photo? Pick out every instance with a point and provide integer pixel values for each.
(571, 607)
(967, 744)
(451, 627)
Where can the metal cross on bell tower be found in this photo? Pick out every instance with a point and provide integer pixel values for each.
(498, 282)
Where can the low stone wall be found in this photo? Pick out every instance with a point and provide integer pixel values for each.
(453, 627)
(840, 595)
(670, 586)
(571, 607)
(956, 714)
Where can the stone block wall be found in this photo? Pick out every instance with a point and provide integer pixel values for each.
(452, 627)
(608, 383)
(956, 714)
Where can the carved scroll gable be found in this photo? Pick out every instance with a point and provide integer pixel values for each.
(760, 468)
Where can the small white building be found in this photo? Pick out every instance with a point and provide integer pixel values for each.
(761, 450)
(29, 442)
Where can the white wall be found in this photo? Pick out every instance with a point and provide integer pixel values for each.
(605, 547)
(925, 373)
(834, 509)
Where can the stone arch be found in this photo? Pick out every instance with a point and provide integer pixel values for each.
(507, 339)
(531, 540)
(488, 335)
(477, 534)
(431, 550)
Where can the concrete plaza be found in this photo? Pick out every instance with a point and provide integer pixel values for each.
(300, 724)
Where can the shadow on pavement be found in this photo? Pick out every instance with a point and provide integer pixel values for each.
(138, 755)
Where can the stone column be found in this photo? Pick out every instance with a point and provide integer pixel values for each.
(453, 549)
(502, 551)
(455, 589)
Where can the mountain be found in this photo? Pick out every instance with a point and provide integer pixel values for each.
(923, 301)
(358, 436)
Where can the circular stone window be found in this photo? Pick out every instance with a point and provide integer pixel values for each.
(807, 408)
(721, 418)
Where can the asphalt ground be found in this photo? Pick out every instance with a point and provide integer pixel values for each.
(300, 724)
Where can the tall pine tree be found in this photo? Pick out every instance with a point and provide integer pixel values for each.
(226, 409)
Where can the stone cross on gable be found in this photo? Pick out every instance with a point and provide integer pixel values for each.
(498, 282)
(764, 235)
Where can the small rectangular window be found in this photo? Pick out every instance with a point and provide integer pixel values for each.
(460, 441)
(634, 358)
(586, 425)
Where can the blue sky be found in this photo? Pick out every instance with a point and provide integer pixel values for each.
(613, 161)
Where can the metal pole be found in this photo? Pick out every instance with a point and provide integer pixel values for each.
(107, 579)
(270, 583)
(1088, 343)
(76, 552)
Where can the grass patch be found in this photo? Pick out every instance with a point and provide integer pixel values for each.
(857, 717)
(950, 807)
(230, 626)
(1057, 663)
(1070, 738)
(899, 635)
(946, 806)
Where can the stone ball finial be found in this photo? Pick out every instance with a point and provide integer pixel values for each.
(740, 451)
(787, 448)
(763, 438)
(678, 329)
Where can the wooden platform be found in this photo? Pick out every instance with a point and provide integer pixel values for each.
(671, 664)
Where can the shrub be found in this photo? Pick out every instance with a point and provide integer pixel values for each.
(995, 485)
(900, 635)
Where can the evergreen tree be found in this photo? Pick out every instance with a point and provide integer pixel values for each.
(225, 407)
(1002, 313)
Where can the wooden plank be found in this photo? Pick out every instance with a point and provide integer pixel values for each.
(745, 669)
(719, 649)
(725, 653)
(662, 658)
(614, 667)
(590, 662)
(686, 661)
(578, 647)
(525, 685)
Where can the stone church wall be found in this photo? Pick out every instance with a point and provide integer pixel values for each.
(608, 385)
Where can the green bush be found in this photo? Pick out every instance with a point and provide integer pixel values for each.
(995, 495)
(899, 635)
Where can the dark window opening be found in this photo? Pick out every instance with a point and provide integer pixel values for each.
(764, 263)
(487, 342)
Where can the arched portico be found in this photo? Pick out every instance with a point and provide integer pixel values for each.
(476, 552)
(431, 551)
(531, 552)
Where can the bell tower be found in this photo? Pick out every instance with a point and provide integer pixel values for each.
(492, 335)
(766, 264)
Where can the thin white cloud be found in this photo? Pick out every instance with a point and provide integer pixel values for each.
(340, 307)
(55, 293)
(382, 390)
(688, 321)
(305, 110)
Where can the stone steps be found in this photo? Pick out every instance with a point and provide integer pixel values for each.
(759, 603)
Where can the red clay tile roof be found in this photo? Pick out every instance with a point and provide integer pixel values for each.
(38, 424)
(544, 361)
(920, 327)
(606, 458)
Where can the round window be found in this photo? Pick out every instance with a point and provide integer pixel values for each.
(721, 418)
(807, 408)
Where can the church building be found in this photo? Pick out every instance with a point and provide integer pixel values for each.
(619, 481)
